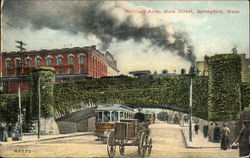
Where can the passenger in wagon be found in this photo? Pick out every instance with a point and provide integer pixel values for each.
(139, 116)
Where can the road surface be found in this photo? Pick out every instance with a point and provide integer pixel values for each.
(167, 143)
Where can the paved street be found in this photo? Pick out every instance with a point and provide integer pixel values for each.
(167, 142)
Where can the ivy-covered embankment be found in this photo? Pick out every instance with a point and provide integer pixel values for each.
(135, 92)
(224, 84)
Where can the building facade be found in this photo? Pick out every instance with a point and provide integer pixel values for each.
(70, 64)
(112, 65)
(202, 66)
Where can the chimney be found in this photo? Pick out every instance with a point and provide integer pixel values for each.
(93, 47)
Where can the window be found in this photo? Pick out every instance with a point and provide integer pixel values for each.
(27, 62)
(58, 60)
(7, 63)
(70, 60)
(114, 116)
(99, 117)
(18, 63)
(106, 116)
(48, 61)
(38, 62)
(121, 114)
(80, 59)
(81, 70)
(70, 71)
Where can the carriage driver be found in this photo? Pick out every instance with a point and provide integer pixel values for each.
(139, 116)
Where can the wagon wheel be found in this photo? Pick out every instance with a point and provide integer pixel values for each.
(143, 145)
(150, 142)
(111, 146)
(139, 135)
(122, 147)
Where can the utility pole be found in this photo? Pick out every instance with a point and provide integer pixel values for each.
(21, 44)
(191, 73)
(20, 109)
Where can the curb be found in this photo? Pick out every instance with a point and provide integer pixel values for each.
(45, 139)
(188, 145)
(184, 138)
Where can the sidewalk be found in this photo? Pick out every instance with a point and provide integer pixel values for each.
(32, 138)
(198, 141)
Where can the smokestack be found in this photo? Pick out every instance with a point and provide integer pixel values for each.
(93, 47)
(109, 21)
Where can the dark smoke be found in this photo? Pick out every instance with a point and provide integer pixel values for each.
(98, 18)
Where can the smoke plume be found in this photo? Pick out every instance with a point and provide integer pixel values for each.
(109, 21)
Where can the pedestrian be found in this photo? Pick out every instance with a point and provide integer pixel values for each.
(216, 133)
(196, 128)
(10, 130)
(244, 139)
(176, 119)
(3, 133)
(205, 130)
(210, 132)
(185, 118)
(225, 142)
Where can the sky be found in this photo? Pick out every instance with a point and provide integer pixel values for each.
(139, 41)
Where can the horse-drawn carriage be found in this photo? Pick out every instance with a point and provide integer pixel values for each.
(129, 132)
(116, 124)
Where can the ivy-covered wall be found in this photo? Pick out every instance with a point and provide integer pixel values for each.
(9, 108)
(217, 97)
(245, 95)
(135, 92)
(224, 84)
(46, 76)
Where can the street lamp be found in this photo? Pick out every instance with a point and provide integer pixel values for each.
(39, 108)
(191, 73)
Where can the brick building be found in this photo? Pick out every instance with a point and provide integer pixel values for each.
(70, 64)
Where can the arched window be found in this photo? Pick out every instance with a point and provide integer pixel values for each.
(48, 61)
(59, 60)
(27, 62)
(18, 63)
(80, 59)
(70, 60)
(38, 62)
(7, 63)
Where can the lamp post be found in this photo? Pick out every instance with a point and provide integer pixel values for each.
(39, 108)
(191, 73)
(190, 111)
(24, 119)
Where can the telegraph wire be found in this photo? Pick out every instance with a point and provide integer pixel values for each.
(16, 28)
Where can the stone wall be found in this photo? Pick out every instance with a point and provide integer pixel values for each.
(91, 124)
(66, 127)
(49, 126)
(81, 126)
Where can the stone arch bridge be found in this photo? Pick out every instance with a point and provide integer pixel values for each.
(219, 96)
